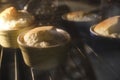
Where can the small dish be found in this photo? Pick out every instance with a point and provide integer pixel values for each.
(45, 56)
(102, 41)
(79, 22)
(12, 23)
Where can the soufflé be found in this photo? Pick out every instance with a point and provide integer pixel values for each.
(13, 22)
(109, 27)
(44, 47)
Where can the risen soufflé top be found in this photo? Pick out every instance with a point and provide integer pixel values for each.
(44, 37)
(110, 27)
(12, 19)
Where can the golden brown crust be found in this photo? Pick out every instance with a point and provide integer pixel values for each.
(11, 18)
(74, 15)
(44, 36)
(9, 13)
(106, 24)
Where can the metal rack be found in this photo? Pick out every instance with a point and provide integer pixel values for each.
(77, 67)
